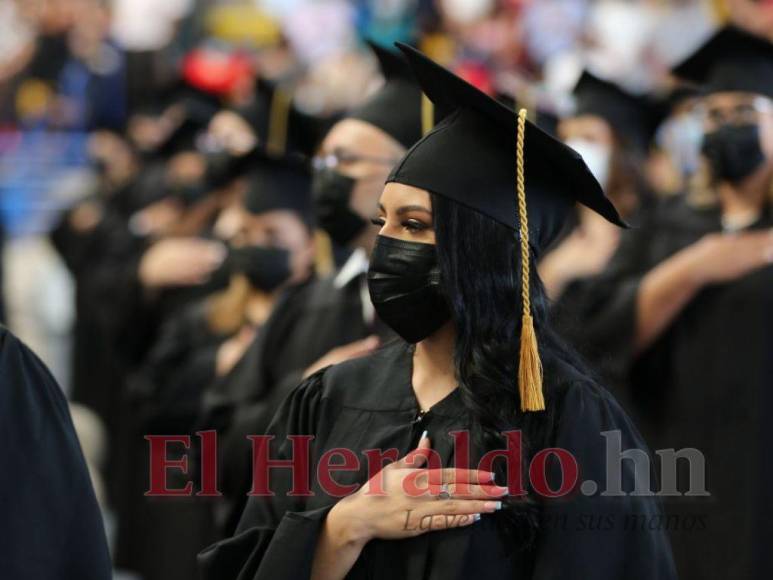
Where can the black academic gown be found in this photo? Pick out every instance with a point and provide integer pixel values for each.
(310, 320)
(51, 527)
(163, 535)
(705, 383)
(369, 403)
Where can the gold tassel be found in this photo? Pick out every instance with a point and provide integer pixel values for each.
(276, 140)
(529, 363)
(427, 114)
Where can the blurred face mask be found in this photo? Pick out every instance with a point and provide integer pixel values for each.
(404, 286)
(332, 193)
(680, 137)
(467, 11)
(265, 267)
(189, 193)
(734, 151)
(596, 157)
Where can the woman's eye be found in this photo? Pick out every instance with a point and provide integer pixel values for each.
(377, 222)
(414, 225)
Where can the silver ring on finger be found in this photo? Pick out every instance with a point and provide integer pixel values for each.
(444, 492)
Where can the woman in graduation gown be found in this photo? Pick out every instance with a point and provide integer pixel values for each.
(448, 275)
(611, 129)
(270, 255)
(331, 319)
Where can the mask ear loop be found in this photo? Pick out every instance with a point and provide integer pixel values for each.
(529, 363)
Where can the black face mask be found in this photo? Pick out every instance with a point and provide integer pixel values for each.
(265, 267)
(219, 168)
(332, 192)
(734, 151)
(189, 193)
(404, 285)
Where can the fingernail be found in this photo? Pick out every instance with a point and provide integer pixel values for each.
(493, 505)
(476, 517)
(423, 435)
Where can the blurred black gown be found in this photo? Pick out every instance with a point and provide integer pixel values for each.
(706, 383)
(310, 320)
(50, 524)
(369, 403)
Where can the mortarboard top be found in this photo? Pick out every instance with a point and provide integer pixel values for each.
(470, 157)
(542, 117)
(396, 108)
(492, 160)
(633, 118)
(731, 60)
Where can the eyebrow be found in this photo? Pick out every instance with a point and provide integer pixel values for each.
(407, 208)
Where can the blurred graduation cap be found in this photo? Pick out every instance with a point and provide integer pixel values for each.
(279, 126)
(280, 129)
(279, 183)
(398, 107)
(731, 60)
(633, 118)
(488, 158)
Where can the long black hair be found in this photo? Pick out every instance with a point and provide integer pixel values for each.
(479, 261)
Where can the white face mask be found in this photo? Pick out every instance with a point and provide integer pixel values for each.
(596, 157)
(467, 11)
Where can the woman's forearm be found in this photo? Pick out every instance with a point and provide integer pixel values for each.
(339, 545)
(663, 293)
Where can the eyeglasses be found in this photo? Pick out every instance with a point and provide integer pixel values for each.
(340, 158)
(737, 114)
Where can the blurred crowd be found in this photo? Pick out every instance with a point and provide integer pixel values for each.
(161, 246)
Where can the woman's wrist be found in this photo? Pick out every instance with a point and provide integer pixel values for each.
(344, 527)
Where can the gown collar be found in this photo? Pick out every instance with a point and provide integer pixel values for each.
(451, 405)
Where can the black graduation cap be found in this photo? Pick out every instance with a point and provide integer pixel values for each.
(731, 60)
(470, 157)
(485, 156)
(279, 126)
(397, 107)
(280, 183)
(633, 118)
(543, 118)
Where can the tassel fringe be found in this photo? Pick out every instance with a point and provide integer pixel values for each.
(530, 369)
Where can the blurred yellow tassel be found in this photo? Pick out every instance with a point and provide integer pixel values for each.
(529, 363)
